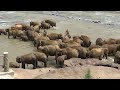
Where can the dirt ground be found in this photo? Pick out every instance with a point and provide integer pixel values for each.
(75, 69)
(29, 73)
(97, 72)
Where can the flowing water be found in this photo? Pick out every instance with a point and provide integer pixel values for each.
(77, 22)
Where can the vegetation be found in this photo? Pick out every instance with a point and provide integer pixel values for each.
(88, 76)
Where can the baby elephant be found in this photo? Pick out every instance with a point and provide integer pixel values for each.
(3, 31)
(14, 65)
(117, 57)
(60, 60)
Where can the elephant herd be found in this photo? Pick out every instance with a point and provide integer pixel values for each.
(61, 45)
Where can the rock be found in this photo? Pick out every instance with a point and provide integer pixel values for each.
(79, 72)
(90, 61)
(96, 21)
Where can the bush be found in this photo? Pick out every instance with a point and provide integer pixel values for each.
(88, 76)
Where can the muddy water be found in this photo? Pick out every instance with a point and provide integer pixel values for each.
(77, 22)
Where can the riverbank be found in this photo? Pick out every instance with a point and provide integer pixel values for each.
(76, 69)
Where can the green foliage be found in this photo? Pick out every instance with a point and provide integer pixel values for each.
(88, 76)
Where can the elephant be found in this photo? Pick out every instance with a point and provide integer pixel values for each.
(66, 39)
(49, 50)
(45, 25)
(110, 41)
(98, 53)
(36, 28)
(27, 59)
(69, 44)
(28, 28)
(41, 57)
(60, 60)
(24, 38)
(13, 28)
(117, 57)
(21, 26)
(3, 31)
(9, 31)
(18, 26)
(112, 48)
(30, 35)
(70, 52)
(94, 46)
(99, 41)
(86, 40)
(34, 23)
(54, 36)
(14, 65)
(17, 33)
(117, 41)
(47, 42)
(83, 52)
(51, 22)
(78, 40)
(38, 39)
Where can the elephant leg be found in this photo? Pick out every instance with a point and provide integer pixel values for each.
(23, 65)
(61, 64)
(14, 37)
(45, 64)
(0, 33)
(106, 55)
(56, 58)
(114, 51)
(36, 64)
(4, 33)
(34, 43)
(100, 57)
(56, 62)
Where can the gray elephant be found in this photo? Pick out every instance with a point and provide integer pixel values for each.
(47, 42)
(60, 60)
(49, 50)
(51, 22)
(38, 39)
(9, 32)
(54, 36)
(42, 57)
(86, 40)
(70, 52)
(34, 23)
(99, 41)
(117, 57)
(27, 59)
(24, 38)
(3, 31)
(14, 65)
(98, 53)
(45, 25)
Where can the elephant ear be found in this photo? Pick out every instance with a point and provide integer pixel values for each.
(65, 57)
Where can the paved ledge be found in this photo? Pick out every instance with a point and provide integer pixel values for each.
(7, 75)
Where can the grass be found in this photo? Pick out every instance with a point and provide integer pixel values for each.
(88, 76)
